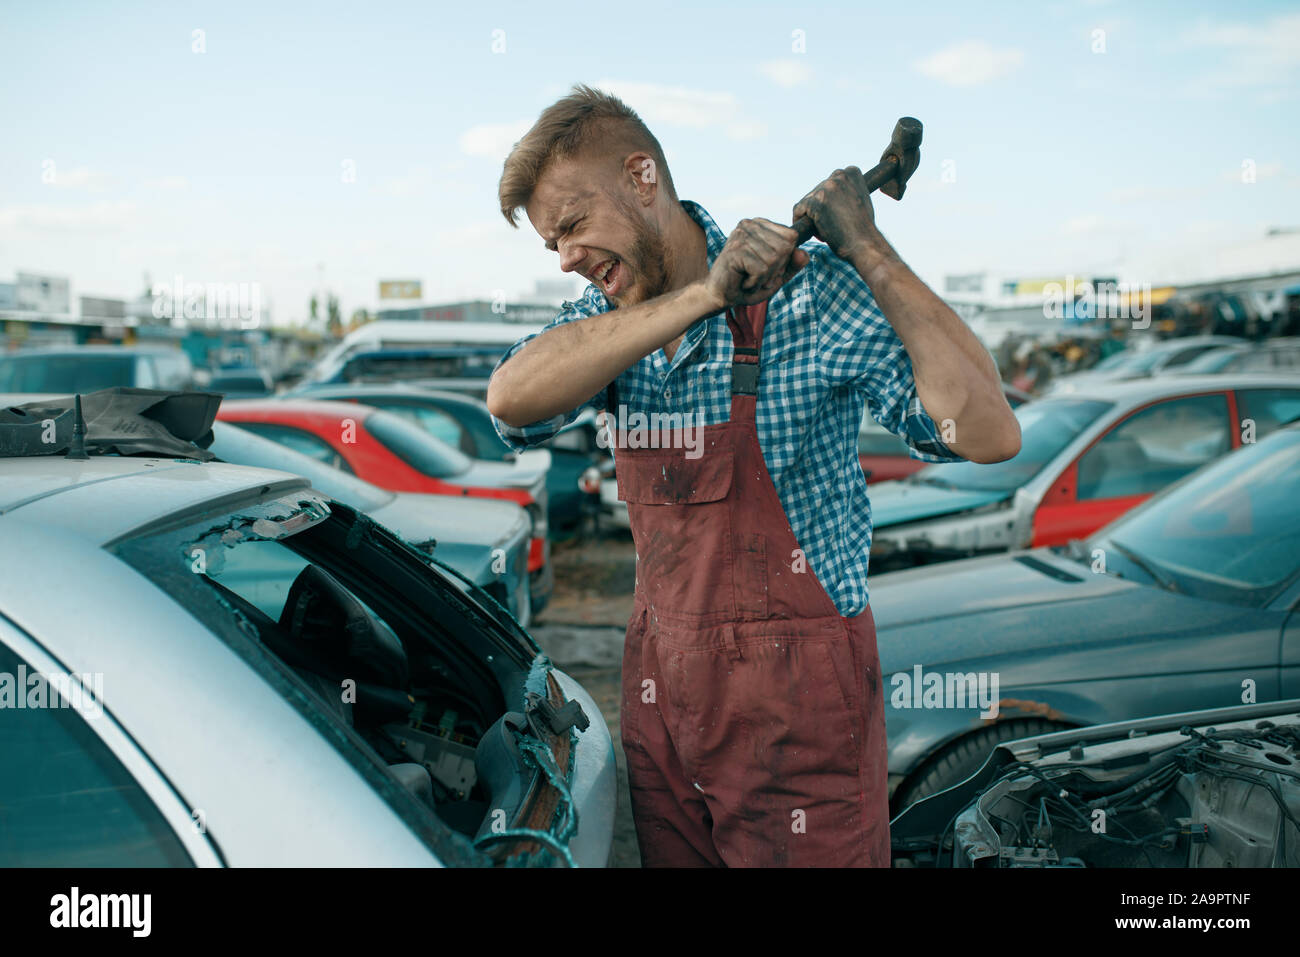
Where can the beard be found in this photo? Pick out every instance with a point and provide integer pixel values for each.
(649, 263)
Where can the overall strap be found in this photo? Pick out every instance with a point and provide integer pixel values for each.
(746, 324)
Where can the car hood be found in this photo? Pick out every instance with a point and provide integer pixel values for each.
(893, 503)
(1012, 606)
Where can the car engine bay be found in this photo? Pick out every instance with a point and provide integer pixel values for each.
(1213, 796)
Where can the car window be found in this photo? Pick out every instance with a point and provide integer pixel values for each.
(1216, 360)
(145, 375)
(1047, 426)
(174, 371)
(1260, 360)
(1114, 361)
(875, 439)
(1268, 408)
(436, 422)
(1183, 356)
(1229, 532)
(300, 440)
(416, 447)
(238, 383)
(1287, 358)
(238, 445)
(357, 633)
(65, 798)
(65, 374)
(1154, 447)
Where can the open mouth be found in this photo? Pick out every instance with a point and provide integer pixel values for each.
(609, 275)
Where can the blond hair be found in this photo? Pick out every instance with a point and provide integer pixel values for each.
(584, 121)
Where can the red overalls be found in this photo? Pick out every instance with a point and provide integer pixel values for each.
(752, 716)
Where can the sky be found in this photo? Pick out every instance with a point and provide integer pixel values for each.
(331, 145)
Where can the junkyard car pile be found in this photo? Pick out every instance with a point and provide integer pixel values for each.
(1127, 693)
(258, 671)
(1090, 653)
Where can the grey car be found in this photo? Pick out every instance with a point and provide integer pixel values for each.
(1164, 356)
(227, 668)
(1187, 602)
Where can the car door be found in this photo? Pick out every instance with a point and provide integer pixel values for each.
(1150, 448)
(76, 789)
(1260, 411)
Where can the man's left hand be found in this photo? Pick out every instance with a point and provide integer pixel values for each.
(841, 211)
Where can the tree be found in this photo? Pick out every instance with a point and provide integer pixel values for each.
(335, 322)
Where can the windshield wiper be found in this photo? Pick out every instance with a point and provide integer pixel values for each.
(1163, 581)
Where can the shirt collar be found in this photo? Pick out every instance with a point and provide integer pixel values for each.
(714, 238)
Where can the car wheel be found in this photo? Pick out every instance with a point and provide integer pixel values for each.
(959, 759)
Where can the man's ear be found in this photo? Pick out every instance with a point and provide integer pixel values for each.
(643, 172)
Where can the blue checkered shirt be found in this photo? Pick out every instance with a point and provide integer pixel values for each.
(827, 352)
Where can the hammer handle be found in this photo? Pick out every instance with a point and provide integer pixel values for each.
(876, 177)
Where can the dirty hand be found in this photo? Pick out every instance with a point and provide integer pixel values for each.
(759, 258)
(841, 211)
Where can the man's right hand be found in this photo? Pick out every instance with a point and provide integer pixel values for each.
(759, 258)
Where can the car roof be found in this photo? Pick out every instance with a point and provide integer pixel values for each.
(106, 497)
(1135, 391)
(1168, 345)
(397, 389)
(322, 408)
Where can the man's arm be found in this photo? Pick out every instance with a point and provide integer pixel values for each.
(565, 366)
(956, 378)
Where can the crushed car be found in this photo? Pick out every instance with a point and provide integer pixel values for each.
(223, 667)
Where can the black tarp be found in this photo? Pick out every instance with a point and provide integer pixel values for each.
(122, 420)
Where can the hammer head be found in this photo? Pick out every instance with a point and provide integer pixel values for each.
(905, 149)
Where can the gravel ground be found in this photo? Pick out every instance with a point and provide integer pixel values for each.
(582, 631)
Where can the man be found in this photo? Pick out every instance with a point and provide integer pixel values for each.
(752, 714)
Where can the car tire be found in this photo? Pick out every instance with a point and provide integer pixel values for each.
(959, 759)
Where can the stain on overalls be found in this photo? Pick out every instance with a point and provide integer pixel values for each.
(752, 714)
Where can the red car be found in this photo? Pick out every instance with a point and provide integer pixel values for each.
(884, 456)
(388, 451)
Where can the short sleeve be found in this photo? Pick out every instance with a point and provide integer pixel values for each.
(535, 433)
(857, 348)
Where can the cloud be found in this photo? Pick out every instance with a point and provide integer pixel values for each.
(492, 140)
(79, 177)
(682, 106)
(1252, 55)
(970, 63)
(168, 184)
(789, 72)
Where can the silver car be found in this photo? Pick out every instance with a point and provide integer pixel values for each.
(207, 664)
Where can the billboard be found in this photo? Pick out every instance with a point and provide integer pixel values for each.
(92, 308)
(399, 289)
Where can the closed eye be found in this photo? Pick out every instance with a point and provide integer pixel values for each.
(564, 230)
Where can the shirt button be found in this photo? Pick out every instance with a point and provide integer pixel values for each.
(668, 393)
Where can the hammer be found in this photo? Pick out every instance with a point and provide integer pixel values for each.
(890, 175)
